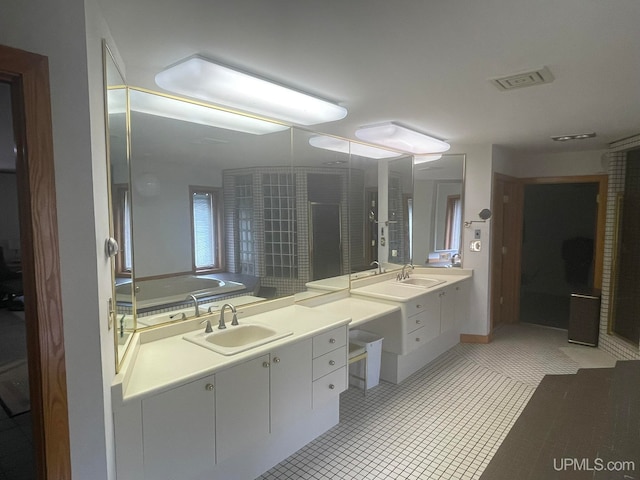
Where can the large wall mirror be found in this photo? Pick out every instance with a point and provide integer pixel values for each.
(211, 206)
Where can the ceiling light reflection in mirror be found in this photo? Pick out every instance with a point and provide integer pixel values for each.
(395, 136)
(201, 78)
(340, 145)
(168, 107)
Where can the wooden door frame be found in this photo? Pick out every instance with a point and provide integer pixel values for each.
(28, 75)
(516, 231)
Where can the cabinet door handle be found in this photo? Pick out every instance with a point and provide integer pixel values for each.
(332, 362)
(332, 340)
(332, 386)
(418, 322)
(276, 359)
(418, 305)
(208, 387)
(417, 339)
(266, 364)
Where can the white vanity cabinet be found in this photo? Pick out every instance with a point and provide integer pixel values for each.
(179, 424)
(242, 406)
(290, 379)
(428, 324)
(239, 420)
(329, 365)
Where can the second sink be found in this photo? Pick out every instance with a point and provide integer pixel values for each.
(423, 282)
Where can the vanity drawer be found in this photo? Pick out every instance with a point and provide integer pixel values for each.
(416, 321)
(416, 339)
(329, 387)
(416, 305)
(329, 362)
(328, 341)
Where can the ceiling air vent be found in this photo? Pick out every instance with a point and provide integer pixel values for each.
(523, 79)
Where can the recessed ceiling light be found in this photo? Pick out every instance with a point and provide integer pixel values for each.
(202, 78)
(577, 136)
(395, 136)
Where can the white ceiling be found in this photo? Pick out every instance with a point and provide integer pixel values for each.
(423, 63)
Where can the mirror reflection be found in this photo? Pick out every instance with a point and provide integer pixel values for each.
(234, 208)
(437, 211)
(118, 174)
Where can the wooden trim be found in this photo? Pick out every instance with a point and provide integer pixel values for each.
(469, 338)
(28, 75)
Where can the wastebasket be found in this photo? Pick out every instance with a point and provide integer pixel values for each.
(584, 318)
(372, 343)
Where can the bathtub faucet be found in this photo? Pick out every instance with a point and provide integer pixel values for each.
(221, 325)
(193, 298)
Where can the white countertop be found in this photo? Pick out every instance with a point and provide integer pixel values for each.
(389, 289)
(359, 309)
(162, 364)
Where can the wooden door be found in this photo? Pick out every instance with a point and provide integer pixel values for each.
(505, 251)
(28, 76)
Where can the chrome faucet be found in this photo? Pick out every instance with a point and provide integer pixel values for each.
(404, 275)
(221, 325)
(377, 264)
(193, 298)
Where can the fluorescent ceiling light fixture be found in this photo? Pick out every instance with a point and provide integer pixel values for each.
(201, 78)
(576, 136)
(401, 138)
(167, 107)
(432, 157)
(345, 146)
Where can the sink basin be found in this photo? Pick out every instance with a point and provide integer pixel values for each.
(422, 282)
(236, 339)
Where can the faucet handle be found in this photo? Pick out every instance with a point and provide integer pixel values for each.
(211, 307)
(234, 320)
(208, 328)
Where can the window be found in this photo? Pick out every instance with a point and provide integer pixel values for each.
(206, 216)
(122, 229)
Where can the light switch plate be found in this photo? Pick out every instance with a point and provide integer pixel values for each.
(475, 246)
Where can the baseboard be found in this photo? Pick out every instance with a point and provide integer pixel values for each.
(469, 338)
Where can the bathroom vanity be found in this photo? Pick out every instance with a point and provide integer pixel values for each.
(433, 305)
(185, 410)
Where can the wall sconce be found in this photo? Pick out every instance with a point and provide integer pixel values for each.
(485, 214)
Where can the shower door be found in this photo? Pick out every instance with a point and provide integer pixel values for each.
(325, 243)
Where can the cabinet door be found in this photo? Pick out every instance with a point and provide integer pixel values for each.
(290, 383)
(179, 431)
(461, 303)
(242, 406)
(447, 308)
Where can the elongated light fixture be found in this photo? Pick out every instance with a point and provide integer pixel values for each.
(345, 146)
(201, 78)
(167, 107)
(401, 138)
(430, 157)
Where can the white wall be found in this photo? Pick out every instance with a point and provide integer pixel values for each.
(57, 29)
(590, 162)
(477, 195)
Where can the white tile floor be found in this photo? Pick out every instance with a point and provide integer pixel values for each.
(444, 422)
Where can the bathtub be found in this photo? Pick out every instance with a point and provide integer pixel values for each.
(170, 290)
